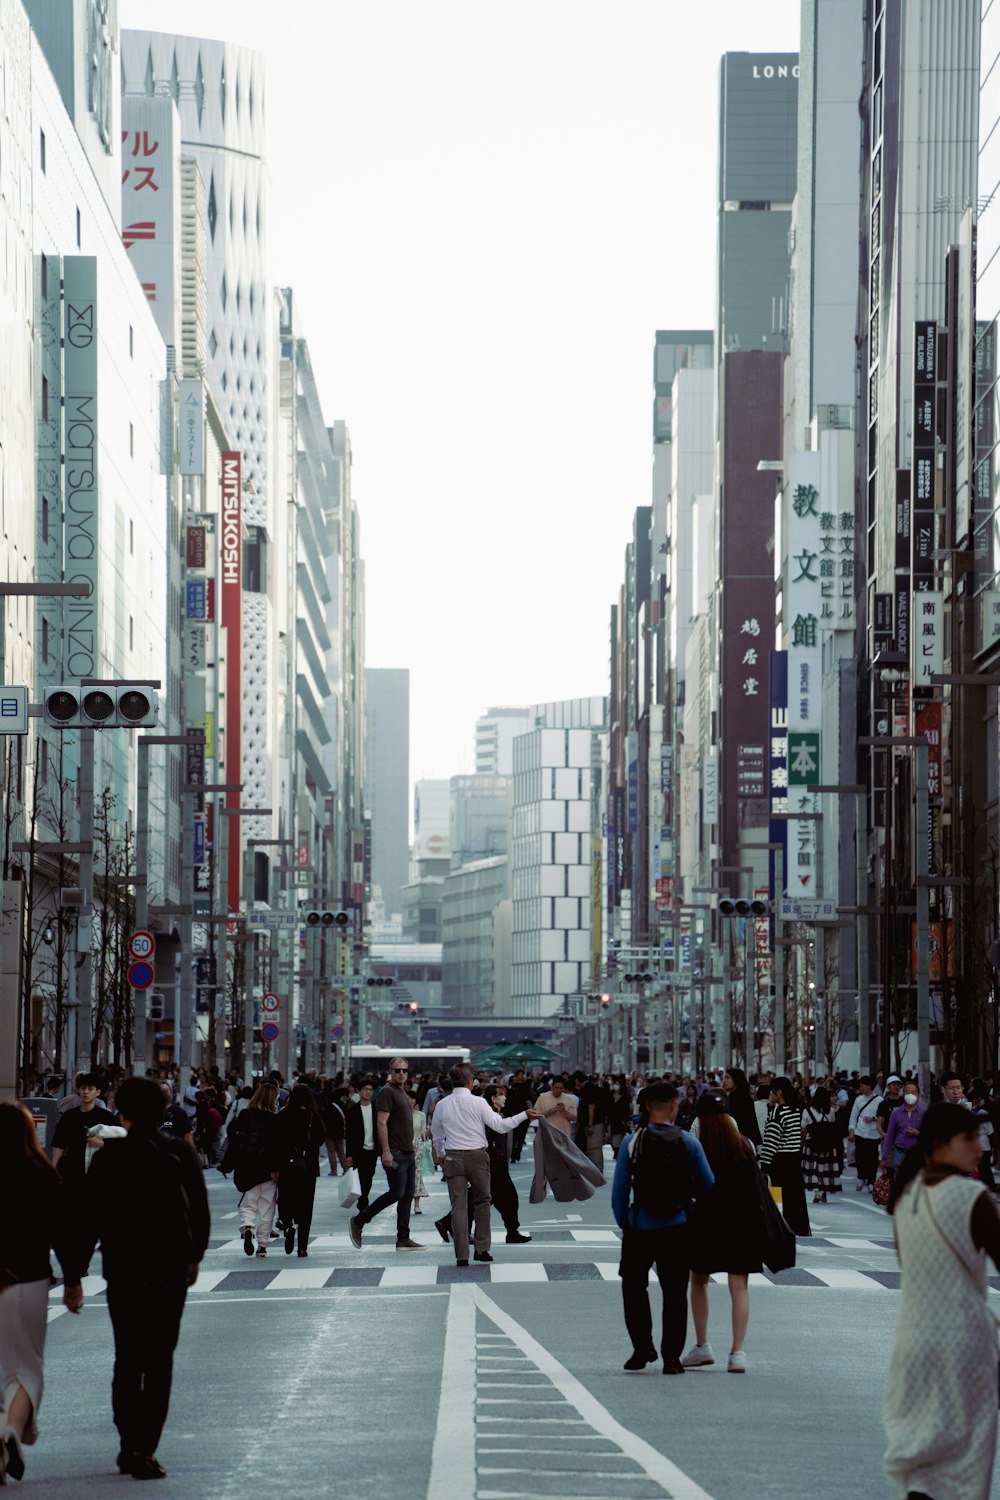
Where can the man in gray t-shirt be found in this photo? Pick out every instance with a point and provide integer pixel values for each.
(394, 1117)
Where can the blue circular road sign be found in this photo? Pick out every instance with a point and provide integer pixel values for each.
(140, 975)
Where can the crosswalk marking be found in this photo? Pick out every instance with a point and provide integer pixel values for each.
(259, 1278)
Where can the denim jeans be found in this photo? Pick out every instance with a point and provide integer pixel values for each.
(400, 1181)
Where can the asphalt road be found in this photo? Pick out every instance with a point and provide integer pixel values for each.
(362, 1370)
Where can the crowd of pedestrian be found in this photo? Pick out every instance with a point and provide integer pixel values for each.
(698, 1163)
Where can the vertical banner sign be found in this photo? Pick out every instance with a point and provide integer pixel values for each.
(48, 467)
(80, 461)
(231, 563)
(812, 592)
(777, 754)
(150, 185)
(192, 432)
(923, 648)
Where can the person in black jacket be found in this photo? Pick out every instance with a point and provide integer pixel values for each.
(740, 1100)
(361, 1139)
(36, 1203)
(252, 1159)
(145, 1200)
(299, 1137)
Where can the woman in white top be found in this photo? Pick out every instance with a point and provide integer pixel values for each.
(940, 1409)
(863, 1131)
(419, 1136)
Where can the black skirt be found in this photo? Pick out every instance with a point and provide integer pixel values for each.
(726, 1223)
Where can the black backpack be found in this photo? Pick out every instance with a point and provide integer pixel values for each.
(823, 1135)
(250, 1148)
(662, 1171)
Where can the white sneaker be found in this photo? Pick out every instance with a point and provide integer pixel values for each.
(698, 1354)
(737, 1362)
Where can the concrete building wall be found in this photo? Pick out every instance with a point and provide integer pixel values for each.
(387, 786)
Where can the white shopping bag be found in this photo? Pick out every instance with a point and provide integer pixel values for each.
(349, 1188)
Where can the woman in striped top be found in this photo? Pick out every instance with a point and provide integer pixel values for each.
(781, 1153)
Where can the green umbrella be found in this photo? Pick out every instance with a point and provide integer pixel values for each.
(525, 1051)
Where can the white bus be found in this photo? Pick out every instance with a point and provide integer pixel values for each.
(371, 1059)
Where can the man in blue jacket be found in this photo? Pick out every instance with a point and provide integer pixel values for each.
(659, 1172)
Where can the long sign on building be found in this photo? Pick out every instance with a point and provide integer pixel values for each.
(80, 536)
(231, 582)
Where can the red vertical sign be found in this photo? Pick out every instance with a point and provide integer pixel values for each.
(231, 554)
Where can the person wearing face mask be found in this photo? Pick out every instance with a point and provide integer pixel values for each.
(903, 1128)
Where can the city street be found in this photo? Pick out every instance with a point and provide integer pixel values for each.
(377, 1367)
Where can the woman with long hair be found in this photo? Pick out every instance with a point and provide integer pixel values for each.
(251, 1156)
(739, 1098)
(821, 1146)
(37, 1219)
(781, 1153)
(725, 1229)
(300, 1135)
(940, 1408)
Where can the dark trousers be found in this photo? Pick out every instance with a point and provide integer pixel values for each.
(401, 1179)
(296, 1196)
(146, 1318)
(667, 1250)
(785, 1172)
(517, 1140)
(866, 1159)
(366, 1162)
(467, 1177)
(503, 1195)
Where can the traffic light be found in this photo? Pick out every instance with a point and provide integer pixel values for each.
(643, 976)
(127, 707)
(605, 1001)
(378, 979)
(414, 1007)
(740, 907)
(156, 1007)
(327, 918)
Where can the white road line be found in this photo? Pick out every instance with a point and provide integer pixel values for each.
(855, 1244)
(596, 1236)
(846, 1280)
(656, 1466)
(55, 1312)
(409, 1276)
(209, 1280)
(92, 1287)
(296, 1277)
(453, 1460)
(528, 1271)
(234, 1215)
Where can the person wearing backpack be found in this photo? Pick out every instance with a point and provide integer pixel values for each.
(821, 1142)
(659, 1172)
(145, 1201)
(251, 1156)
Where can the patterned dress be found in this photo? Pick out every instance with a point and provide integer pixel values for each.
(419, 1126)
(820, 1169)
(940, 1410)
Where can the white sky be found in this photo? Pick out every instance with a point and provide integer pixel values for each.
(486, 211)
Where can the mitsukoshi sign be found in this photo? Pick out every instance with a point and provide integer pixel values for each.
(231, 557)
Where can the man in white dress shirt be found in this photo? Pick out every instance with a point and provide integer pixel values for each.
(459, 1140)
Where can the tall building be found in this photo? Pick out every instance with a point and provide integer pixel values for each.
(218, 91)
(551, 864)
(470, 898)
(757, 178)
(387, 784)
(758, 104)
(496, 732)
